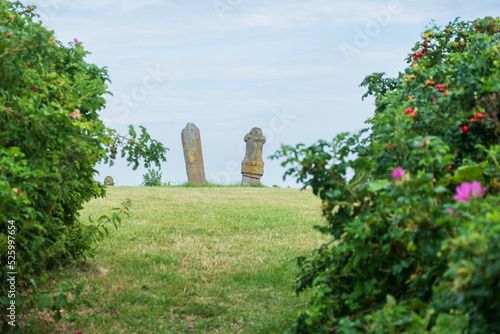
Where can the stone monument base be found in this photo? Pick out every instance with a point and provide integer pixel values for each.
(249, 181)
(196, 174)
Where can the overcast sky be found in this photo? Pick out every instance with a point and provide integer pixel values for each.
(290, 67)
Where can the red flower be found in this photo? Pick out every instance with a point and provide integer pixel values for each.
(394, 245)
(473, 120)
(439, 87)
(433, 99)
(29, 64)
(479, 115)
(477, 27)
(465, 129)
(410, 111)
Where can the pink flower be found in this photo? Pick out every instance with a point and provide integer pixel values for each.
(420, 146)
(467, 190)
(78, 332)
(439, 87)
(191, 326)
(120, 288)
(398, 173)
(72, 115)
(77, 41)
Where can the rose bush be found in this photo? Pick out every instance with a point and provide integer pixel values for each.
(51, 138)
(412, 201)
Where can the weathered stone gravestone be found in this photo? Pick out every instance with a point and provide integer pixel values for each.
(252, 166)
(191, 144)
(109, 181)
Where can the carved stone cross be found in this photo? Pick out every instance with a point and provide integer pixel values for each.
(252, 166)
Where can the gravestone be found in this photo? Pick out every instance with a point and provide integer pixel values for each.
(191, 145)
(109, 181)
(252, 166)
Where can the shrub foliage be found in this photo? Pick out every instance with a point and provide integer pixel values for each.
(152, 178)
(412, 201)
(51, 138)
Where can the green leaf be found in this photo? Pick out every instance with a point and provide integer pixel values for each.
(57, 316)
(440, 190)
(379, 185)
(449, 324)
(411, 247)
(468, 174)
(43, 302)
(391, 301)
(61, 301)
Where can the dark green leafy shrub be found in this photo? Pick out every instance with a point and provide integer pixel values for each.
(51, 138)
(411, 253)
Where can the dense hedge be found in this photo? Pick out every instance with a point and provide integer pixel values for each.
(412, 202)
(51, 138)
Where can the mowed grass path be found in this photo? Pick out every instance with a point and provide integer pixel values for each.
(219, 259)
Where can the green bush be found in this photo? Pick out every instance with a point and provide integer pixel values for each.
(51, 138)
(412, 202)
(152, 178)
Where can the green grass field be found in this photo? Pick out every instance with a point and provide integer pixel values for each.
(221, 259)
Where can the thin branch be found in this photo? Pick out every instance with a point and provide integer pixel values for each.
(336, 180)
(18, 50)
